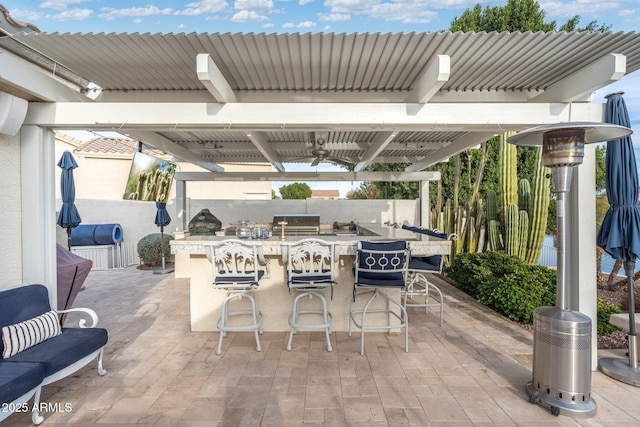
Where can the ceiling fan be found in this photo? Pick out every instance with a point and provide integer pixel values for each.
(319, 154)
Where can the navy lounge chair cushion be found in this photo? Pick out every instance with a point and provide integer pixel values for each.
(23, 303)
(17, 378)
(64, 350)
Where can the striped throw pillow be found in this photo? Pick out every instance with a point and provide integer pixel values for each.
(21, 336)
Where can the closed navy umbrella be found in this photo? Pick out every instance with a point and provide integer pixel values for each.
(162, 219)
(69, 216)
(619, 234)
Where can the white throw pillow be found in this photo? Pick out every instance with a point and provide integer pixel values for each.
(21, 336)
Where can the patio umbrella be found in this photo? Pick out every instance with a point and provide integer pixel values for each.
(162, 219)
(619, 234)
(69, 216)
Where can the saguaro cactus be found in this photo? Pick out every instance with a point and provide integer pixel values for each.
(538, 209)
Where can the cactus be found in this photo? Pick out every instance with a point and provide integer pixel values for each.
(538, 209)
(472, 236)
(511, 230)
(508, 174)
(524, 195)
(494, 235)
(523, 233)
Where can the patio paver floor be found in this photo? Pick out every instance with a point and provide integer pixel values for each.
(472, 371)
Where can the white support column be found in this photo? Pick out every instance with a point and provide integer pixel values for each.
(425, 211)
(582, 245)
(37, 164)
(181, 223)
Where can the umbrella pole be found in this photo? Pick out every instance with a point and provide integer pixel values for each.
(162, 270)
(629, 268)
(69, 238)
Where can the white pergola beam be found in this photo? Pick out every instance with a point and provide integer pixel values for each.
(429, 83)
(307, 176)
(376, 117)
(376, 147)
(456, 147)
(581, 84)
(152, 139)
(211, 77)
(261, 143)
(20, 74)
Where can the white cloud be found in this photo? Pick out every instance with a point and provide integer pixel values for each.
(253, 4)
(59, 4)
(25, 15)
(204, 7)
(268, 25)
(110, 14)
(334, 17)
(584, 8)
(403, 11)
(288, 25)
(303, 2)
(248, 16)
(306, 24)
(72, 15)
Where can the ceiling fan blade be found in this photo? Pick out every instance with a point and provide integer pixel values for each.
(315, 161)
(340, 161)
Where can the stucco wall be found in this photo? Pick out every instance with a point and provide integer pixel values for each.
(137, 218)
(10, 212)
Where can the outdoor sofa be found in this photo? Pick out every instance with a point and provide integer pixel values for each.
(35, 350)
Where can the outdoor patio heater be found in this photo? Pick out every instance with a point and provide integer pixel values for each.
(562, 336)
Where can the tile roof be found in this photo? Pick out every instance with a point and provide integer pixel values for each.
(113, 146)
(325, 193)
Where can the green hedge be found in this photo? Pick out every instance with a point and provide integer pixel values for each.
(150, 248)
(505, 283)
(512, 288)
(605, 310)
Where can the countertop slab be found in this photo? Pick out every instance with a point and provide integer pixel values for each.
(420, 244)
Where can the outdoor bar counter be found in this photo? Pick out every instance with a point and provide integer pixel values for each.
(274, 299)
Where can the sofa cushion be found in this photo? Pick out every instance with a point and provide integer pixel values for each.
(17, 378)
(23, 303)
(21, 336)
(65, 349)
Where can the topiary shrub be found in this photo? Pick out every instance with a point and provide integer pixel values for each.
(150, 248)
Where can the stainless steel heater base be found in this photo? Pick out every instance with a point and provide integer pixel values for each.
(562, 362)
(619, 369)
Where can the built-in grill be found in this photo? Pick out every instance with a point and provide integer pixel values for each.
(297, 224)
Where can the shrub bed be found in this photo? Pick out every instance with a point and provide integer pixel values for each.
(513, 288)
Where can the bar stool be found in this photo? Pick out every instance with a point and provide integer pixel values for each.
(235, 270)
(420, 268)
(379, 265)
(310, 271)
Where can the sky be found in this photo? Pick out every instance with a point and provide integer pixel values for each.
(309, 16)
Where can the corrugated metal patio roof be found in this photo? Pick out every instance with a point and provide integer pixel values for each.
(246, 80)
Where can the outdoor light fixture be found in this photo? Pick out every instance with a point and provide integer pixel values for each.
(562, 336)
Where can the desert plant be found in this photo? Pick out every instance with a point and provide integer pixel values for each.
(150, 248)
